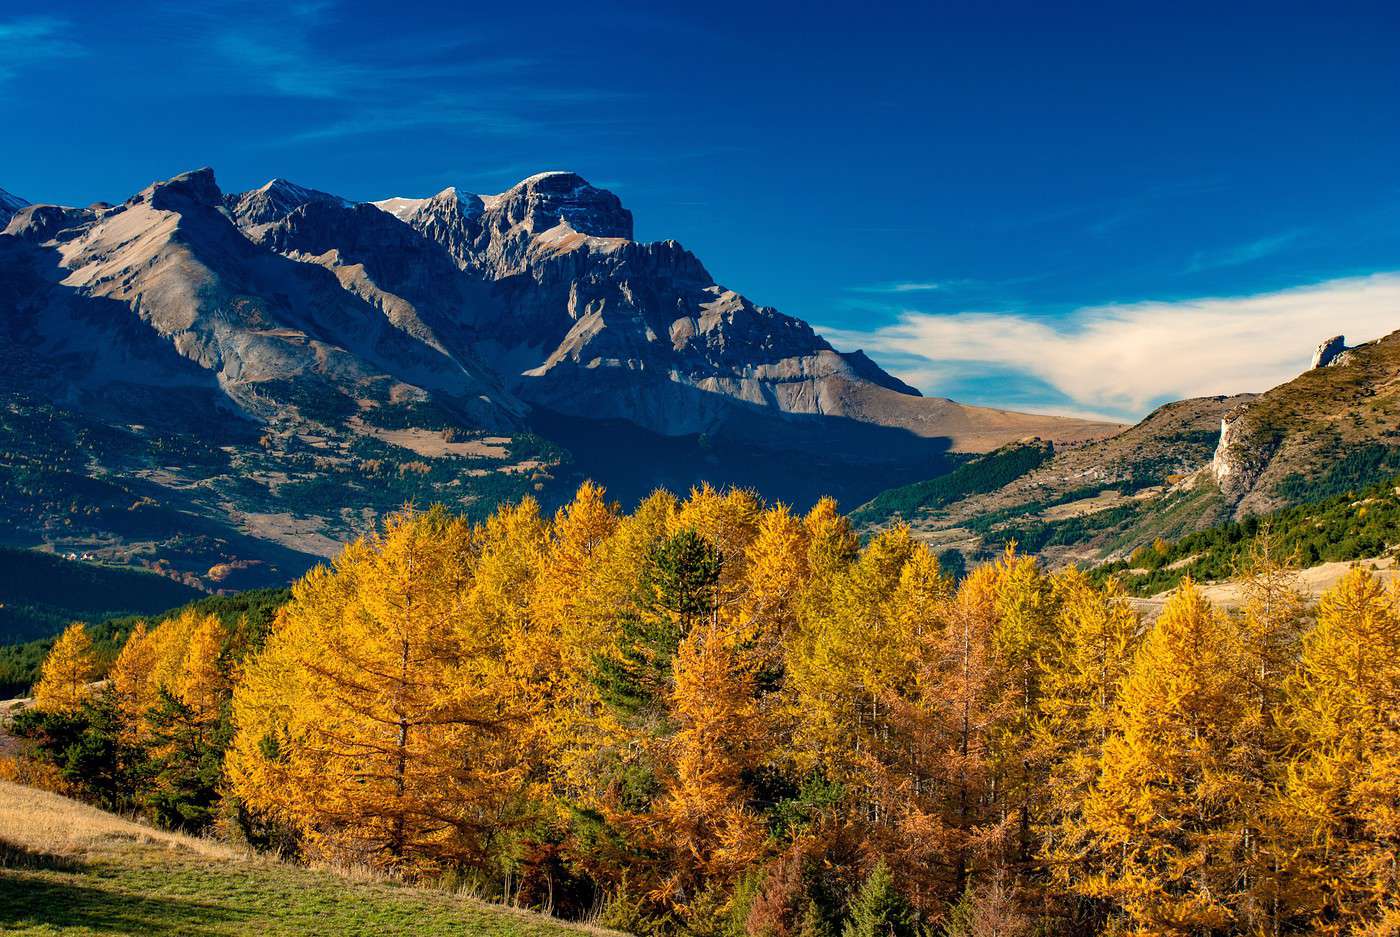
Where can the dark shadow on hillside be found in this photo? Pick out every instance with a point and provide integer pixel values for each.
(32, 900)
(17, 856)
(794, 460)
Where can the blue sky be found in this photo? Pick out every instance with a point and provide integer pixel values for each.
(1078, 207)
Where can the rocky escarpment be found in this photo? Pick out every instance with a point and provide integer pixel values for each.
(275, 200)
(286, 298)
(1241, 455)
(1329, 428)
(206, 382)
(583, 320)
(135, 294)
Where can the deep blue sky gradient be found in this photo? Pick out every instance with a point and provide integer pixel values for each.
(1025, 157)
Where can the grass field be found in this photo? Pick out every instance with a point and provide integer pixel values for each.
(66, 868)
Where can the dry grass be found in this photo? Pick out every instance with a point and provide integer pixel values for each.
(67, 868)
(1311, 582)
(44, 822)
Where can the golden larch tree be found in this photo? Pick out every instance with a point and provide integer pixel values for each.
(65, 681)
(1342, 796)
(365, 722)
(1083, 663)
(1163, 820)
(709, 830)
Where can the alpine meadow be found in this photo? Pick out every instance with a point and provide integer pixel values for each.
(995, 534)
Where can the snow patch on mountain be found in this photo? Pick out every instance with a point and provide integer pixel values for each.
(400, 207)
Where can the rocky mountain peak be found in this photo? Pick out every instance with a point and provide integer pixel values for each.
(40, 223)
(196, 187)
(542, 201)
(276, 199)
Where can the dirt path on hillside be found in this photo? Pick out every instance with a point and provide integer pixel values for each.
(1312, 582)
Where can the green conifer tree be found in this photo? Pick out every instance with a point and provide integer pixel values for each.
(880, 910)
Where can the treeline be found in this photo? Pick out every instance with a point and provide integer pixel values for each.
(713, 717)
(1357, 524)
(251, 610)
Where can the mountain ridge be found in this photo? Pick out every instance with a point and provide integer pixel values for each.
(318, 359)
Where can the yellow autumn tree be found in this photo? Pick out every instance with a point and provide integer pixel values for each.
(831, 548)
(601, 759)
(364, 723)
(1025, 611)
(563, 600)
(1342, 796)
(848, 654)
(131, 673)
(1163, 820)
(65, 681)
(954, 823)
(709, 829)
(157, 659)
(1270, 628)
(775, 578)
(204, 681)
(571, 606)
(1083, 662)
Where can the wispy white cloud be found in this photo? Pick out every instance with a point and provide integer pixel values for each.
(905, 286)
(33, 40)
(1241, 254)
(1124, 359)
(396, 85)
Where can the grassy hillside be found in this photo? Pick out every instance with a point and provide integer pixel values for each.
(1326, 433)
(1353, 525)
(982, 474)
(252, 611)
(1066, 500)
(66, 868)
(41, 593)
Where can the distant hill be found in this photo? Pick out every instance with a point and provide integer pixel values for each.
(1056, 500)
(1360, 524)
(1190, 466)
(979, 475)
(41, 593)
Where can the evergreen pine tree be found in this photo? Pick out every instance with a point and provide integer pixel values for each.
(880, 910)
(679, 589)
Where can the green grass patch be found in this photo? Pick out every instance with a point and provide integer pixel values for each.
(154, 890)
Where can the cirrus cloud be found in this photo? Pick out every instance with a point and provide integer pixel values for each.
(34, 40)
(1121, 360)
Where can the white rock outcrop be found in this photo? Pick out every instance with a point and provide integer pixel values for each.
(1329, 351)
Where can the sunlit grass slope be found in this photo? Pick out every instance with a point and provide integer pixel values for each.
(66, 868)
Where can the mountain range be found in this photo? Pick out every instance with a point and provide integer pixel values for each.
(226, 386)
